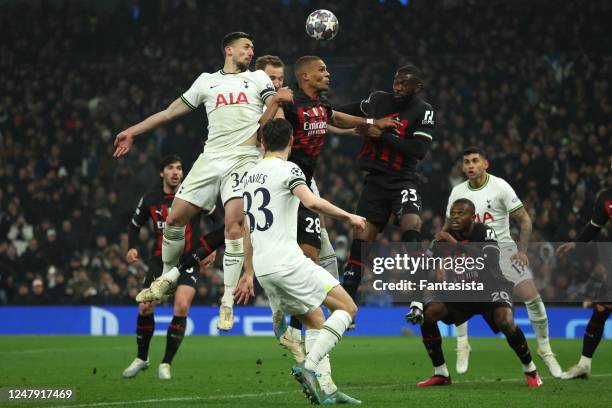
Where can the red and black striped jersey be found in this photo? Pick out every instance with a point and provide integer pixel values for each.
(602, 213)
(384, 154)
(309, 118)
(155, 205)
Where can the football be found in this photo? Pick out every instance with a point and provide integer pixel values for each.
(322, 25)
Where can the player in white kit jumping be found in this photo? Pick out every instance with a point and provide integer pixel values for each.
(495, 202)
(294, 284)
(234, 98)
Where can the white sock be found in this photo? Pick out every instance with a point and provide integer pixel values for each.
(539, 321)
(528, 368)
(233, 258)
(584, 361)
(324, 367)
(441, 370)
(173, 245)
(327, 256)
(329, 335)
(294, 334)
(462, 335)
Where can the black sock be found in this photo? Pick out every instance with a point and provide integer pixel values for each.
(176, 332)
(295, 323)
(145, 326)
(594, 331)
(517, 341)
(433, 343)
(352, 270)
(210, 243)
(413, 248)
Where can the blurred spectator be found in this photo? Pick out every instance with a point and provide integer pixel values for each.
(535, 92)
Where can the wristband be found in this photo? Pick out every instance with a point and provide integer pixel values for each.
(370, 121)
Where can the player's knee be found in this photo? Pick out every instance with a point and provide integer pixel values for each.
(233, 229)
(145, 309)
(410, 222)
(506, 325)
(181, 307)
(432, 314)
(351, 309)
(174, 220)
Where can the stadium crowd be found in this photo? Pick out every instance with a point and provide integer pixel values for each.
(510, 79)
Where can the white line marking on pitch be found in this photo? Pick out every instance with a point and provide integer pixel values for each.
(267, 394)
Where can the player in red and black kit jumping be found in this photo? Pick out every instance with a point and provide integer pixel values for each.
(390, 160)
(311, 115)
(602, 213)
(155, 205)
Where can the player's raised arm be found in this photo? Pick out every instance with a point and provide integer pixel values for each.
(344, 120)
(415, 145)
(323, 206)
(125, 139)
(273, 104)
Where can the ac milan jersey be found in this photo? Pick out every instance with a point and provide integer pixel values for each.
(309, 118)
(156, 205)
(602, 213)
(417, 121)
(480, 238)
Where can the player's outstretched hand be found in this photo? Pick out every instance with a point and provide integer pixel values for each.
(244, 291)
(132, 256)
(358, 222)
(387, 123)
(521, 258)
(565, 248)
(123, 143)
(285, 94)
(445, 236)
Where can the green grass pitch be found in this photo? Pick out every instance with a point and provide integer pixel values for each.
(254, 372)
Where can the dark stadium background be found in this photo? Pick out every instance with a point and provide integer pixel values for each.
(530, 81)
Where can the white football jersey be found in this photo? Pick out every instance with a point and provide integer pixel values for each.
(234, 104)
(271, 214)
(495, 200)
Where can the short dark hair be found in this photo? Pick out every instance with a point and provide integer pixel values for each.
(167, 160)
(467, 202)
(412, 70)
(474, 150)
(266, 60)
(276, 134)
(233, 36)
(302, 61)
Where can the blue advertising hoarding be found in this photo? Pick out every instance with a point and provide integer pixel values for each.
(252, 321)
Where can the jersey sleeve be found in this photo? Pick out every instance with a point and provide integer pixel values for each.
(600, 215)
(509, 198)
(294, 176)
(425, 123)
(195, 95)
(141, 215)
(264, 85)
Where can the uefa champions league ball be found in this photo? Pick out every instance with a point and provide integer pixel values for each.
(322, 25)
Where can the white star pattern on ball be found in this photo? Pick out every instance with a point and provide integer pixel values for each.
(322, 25)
